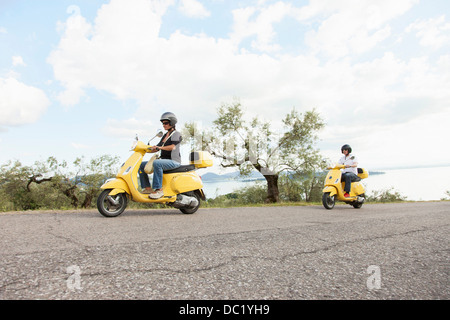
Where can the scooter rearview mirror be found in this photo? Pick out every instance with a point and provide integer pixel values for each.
(159, 135)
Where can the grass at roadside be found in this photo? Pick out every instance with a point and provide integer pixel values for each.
(246, 198)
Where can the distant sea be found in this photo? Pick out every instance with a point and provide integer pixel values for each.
(417, 184)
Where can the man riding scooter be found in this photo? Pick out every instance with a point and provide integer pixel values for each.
(170, 156)
(342, 183)
(350, 173)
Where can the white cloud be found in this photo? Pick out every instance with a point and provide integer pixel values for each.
(18, 61)
(129, 128)
(434, 33)
(19, 103)
(350, 26)
(3, 30)
(111, 54)
(123, 54)
(191, 75)
(259, 22)
(398, 143)
(80, 146)
(193, 9)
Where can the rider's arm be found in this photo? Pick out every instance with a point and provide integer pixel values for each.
(354, 165)
(353, 162)
(174, 140)
(170, 147)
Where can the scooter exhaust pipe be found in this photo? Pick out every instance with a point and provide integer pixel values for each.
(360, 199)
(184, 201)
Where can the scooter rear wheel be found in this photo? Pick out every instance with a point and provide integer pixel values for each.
(357, 205)
(192, 210)
(111, 206)
(328, 201)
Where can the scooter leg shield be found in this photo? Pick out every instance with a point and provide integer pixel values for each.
(117, 186)
(331, 190)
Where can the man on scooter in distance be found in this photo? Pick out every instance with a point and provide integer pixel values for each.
(170, 157)
(350, 173)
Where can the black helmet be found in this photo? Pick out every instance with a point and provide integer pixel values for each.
(170, 117)
(346, 147)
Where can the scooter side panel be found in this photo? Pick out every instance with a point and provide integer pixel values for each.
(185, 182)
(357, 188)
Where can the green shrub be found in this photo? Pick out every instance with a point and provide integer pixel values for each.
(385, 195)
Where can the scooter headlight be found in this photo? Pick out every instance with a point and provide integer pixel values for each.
(135, 142)
(133, 145)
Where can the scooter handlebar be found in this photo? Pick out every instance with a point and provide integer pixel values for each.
(336, 166)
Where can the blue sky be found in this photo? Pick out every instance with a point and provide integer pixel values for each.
(81, 78)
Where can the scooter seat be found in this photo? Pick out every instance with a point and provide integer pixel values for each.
(184, 168)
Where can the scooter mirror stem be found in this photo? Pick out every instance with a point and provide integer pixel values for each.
(159, 135)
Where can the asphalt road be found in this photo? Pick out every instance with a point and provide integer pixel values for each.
(381, 251)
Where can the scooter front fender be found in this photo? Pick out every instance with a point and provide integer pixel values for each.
(330, 189)
(117, 185)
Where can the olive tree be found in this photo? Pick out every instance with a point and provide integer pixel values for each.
(252, 144)
(52, 184)
(81, 184)
(15, 180)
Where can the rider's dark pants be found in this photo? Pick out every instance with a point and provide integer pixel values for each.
(348, 178)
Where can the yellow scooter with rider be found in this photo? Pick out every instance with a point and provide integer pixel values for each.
(351, 190)
(182, 187)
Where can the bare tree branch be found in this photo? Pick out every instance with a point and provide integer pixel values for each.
(35, 179)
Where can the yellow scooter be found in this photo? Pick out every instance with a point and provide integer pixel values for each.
(334, 188)
(182, 186)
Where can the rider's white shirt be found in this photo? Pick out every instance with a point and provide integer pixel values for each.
(349, 160)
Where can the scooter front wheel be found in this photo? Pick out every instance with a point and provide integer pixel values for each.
(111, 206)
(328, 201)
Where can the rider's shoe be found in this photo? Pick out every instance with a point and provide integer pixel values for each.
(156, 194)
(147, 190)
